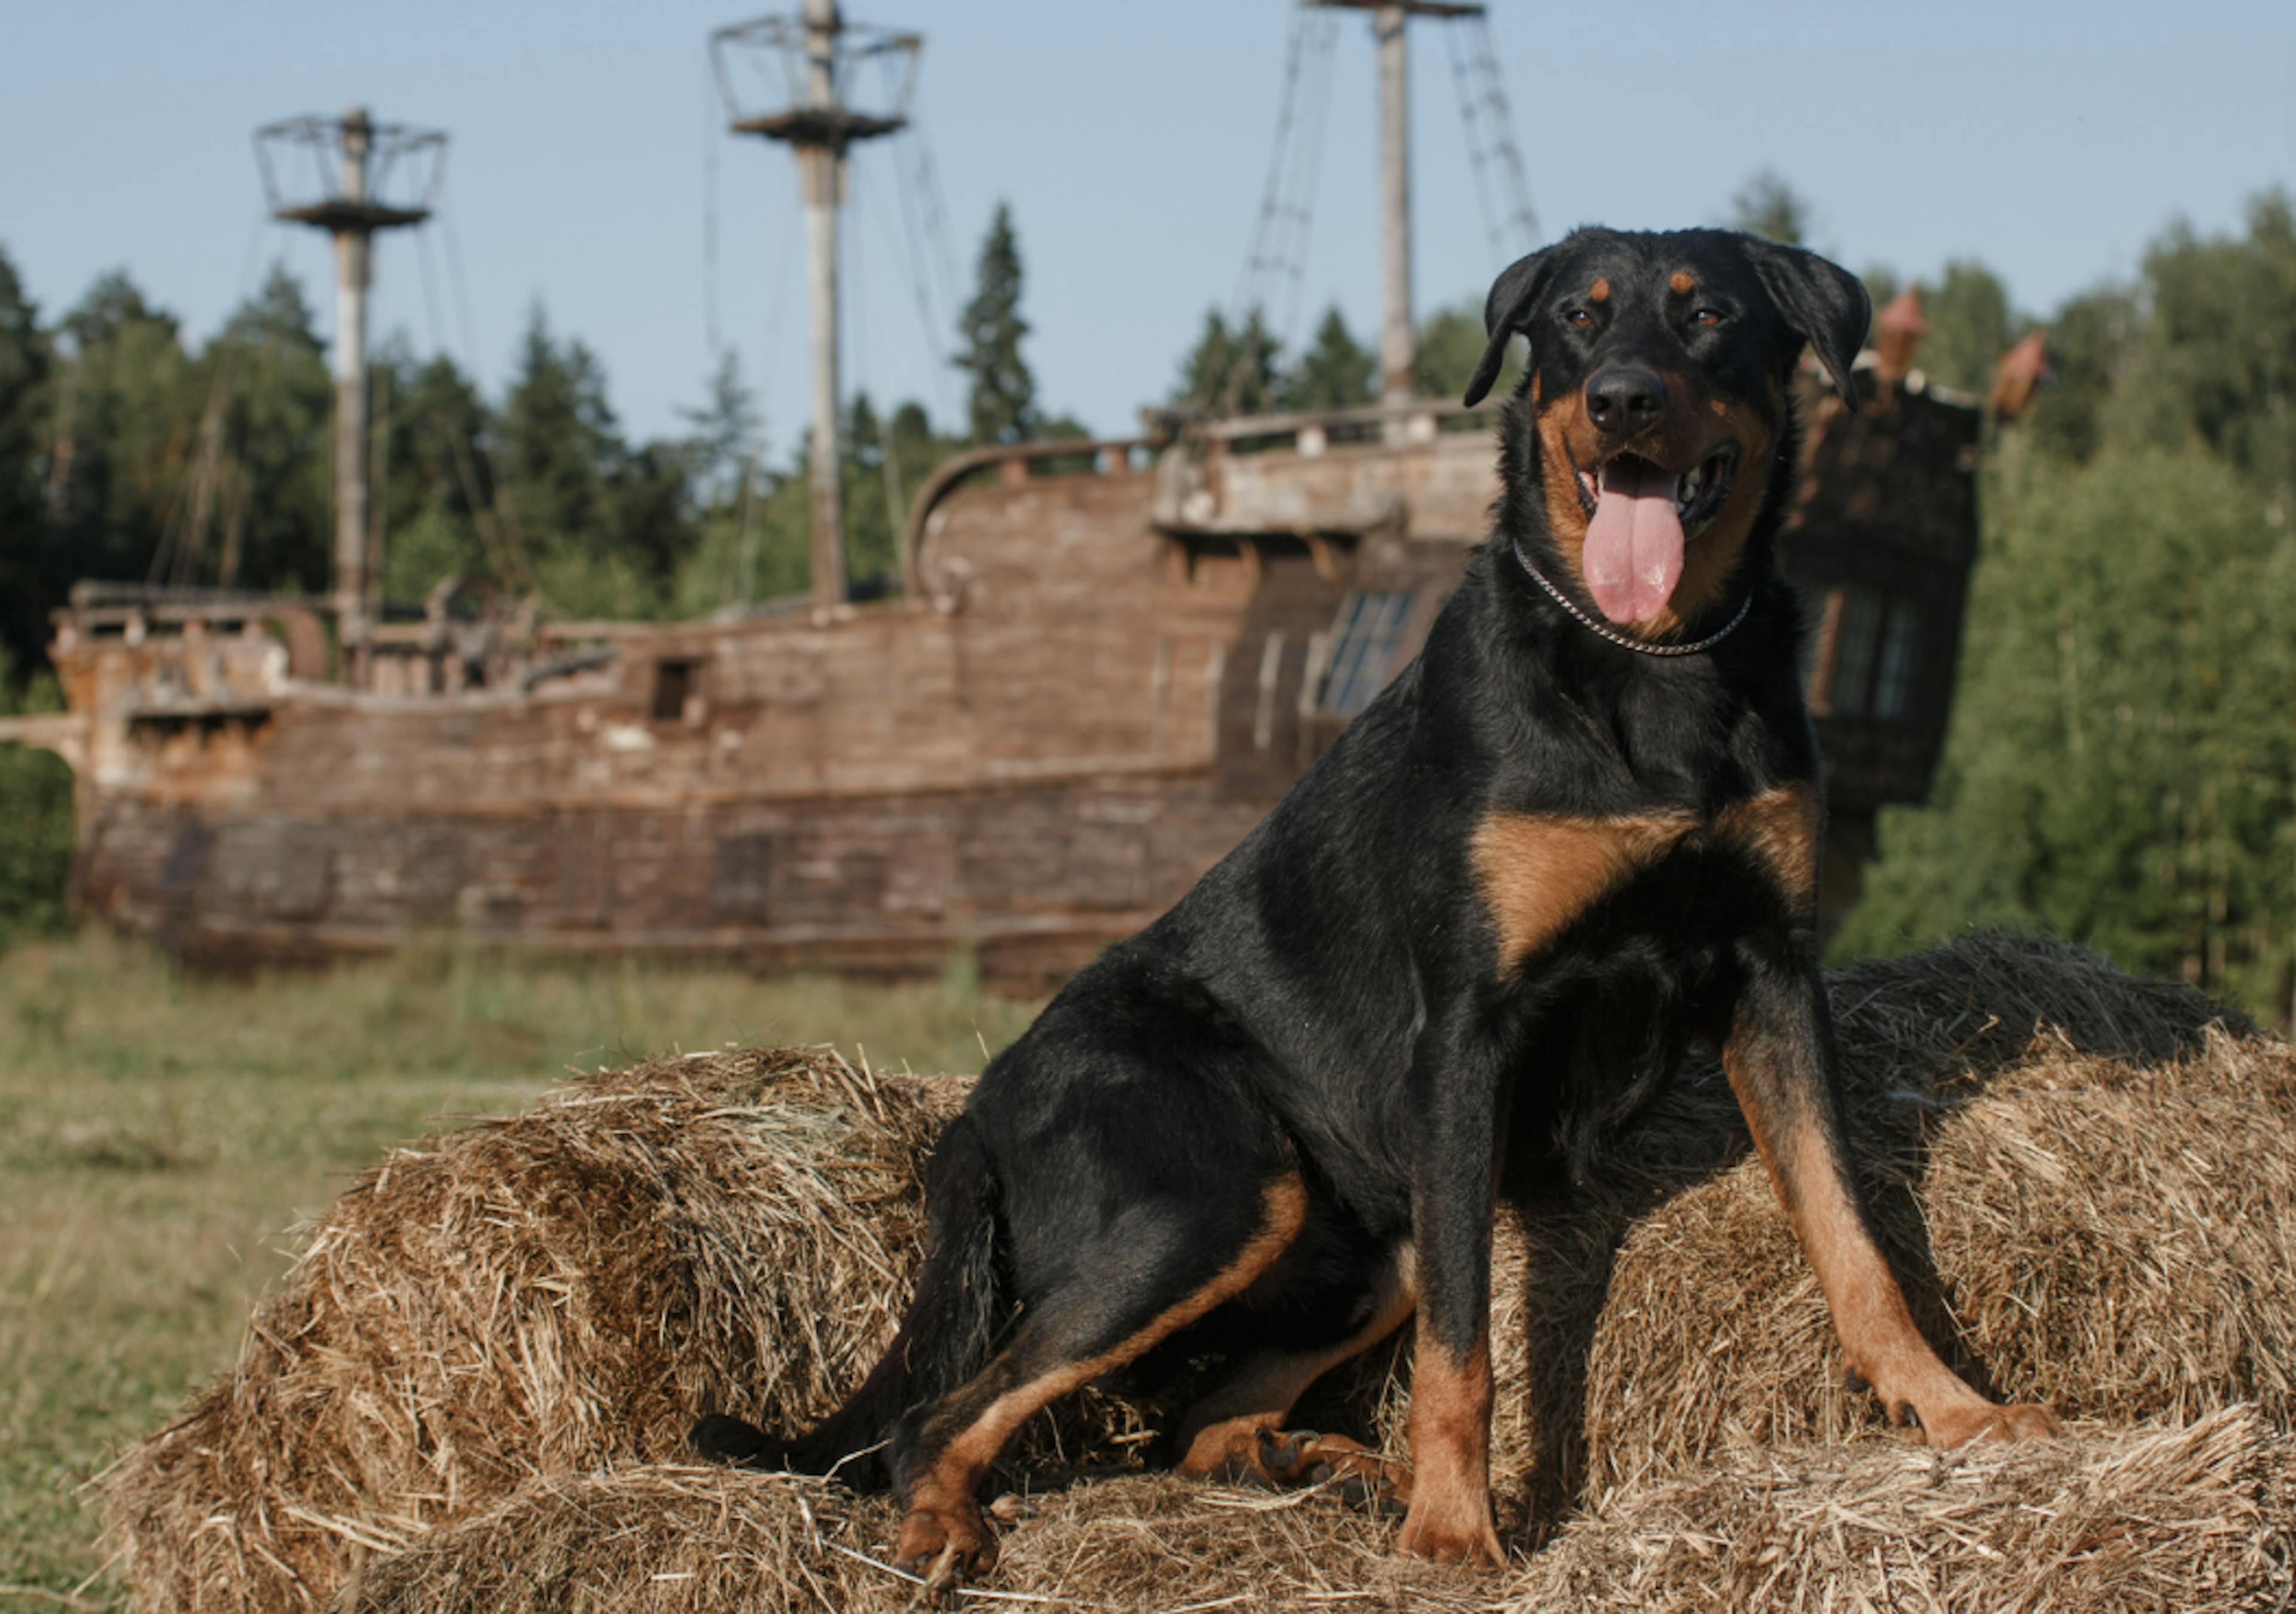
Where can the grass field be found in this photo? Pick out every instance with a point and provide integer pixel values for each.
(159, 1134)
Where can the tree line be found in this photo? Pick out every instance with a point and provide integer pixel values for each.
(2121, 766)
(129, 453)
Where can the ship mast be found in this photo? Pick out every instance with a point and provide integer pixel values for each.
(818, 127)
(358, 163)
(1390, 21)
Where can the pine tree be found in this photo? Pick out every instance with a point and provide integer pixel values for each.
(1766, 206)
(25, 587)
(438, 509)
(609, 526)
(128, 403)
(1229, 371)
(725, 432)
(1002, 405)
(1333, 373)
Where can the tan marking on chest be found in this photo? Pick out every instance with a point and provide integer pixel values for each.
(1539, 871)
(1780, 828)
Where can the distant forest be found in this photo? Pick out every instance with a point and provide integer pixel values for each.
(2121, 765)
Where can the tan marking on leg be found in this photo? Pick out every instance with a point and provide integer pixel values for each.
(1539, 871)
(1780, 828)
(1222, 1431)
(941, 1501)
(1680, 283)
(1878, 1340)
(1450, 1517)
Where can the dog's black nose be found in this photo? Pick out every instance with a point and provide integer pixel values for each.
(1625, 397)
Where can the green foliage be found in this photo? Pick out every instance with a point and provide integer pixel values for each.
(24, 567)
(1232, 371)
(2218, 358)
(275, 498)
(1335, 371)
(1968, 314)
(437, 512)
(2121, 767)
(1001, 406)
(126, 414)
(605, 526)
(1450, 345)
(2091, 344)
(36, 807)
(1765, 205)
(1229, 371)
(126, 455)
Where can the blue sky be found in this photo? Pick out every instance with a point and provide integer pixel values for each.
(2051, 139)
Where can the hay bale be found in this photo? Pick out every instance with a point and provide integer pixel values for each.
(2101, 1221)
(548, 1294)
(2200, 1520)
(540, 1297)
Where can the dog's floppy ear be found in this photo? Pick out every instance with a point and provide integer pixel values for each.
(1512, 295)
(1823, 303)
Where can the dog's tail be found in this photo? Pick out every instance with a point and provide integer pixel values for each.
(945, 1336)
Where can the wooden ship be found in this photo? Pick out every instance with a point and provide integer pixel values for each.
(1108, 659)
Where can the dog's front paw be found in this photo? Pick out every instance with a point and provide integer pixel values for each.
(1468, 1539)
(1982, 1421)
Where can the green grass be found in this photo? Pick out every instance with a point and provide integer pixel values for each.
(159, 1134)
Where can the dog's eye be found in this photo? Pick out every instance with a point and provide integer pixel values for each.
(1707, 316)
(1577, 316)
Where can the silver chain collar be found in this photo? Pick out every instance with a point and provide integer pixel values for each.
(1604, 630)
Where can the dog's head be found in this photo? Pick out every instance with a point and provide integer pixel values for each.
(1647, 443)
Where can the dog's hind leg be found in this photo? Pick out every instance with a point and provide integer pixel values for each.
(1236, 1431)
(1136, 1287)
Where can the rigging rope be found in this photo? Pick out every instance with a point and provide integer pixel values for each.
(933, 209)
(1478, 160)
(712, 120)
(920, 286)
(1499, 119)
(1274, 269)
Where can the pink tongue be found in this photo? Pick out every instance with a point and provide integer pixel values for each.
(1633, 557)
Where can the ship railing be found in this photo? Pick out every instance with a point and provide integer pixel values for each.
(1408, 424)
(195, 654)
(1307, 433)
(1015, 465)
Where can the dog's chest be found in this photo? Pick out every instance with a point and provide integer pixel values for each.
(1538, 875)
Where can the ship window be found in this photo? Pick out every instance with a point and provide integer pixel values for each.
(1893, 680)
(1362, 648)
(1856, 634)
(1876, 655)
(674, 682)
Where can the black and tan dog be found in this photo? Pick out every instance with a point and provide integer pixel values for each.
(1578, 831)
